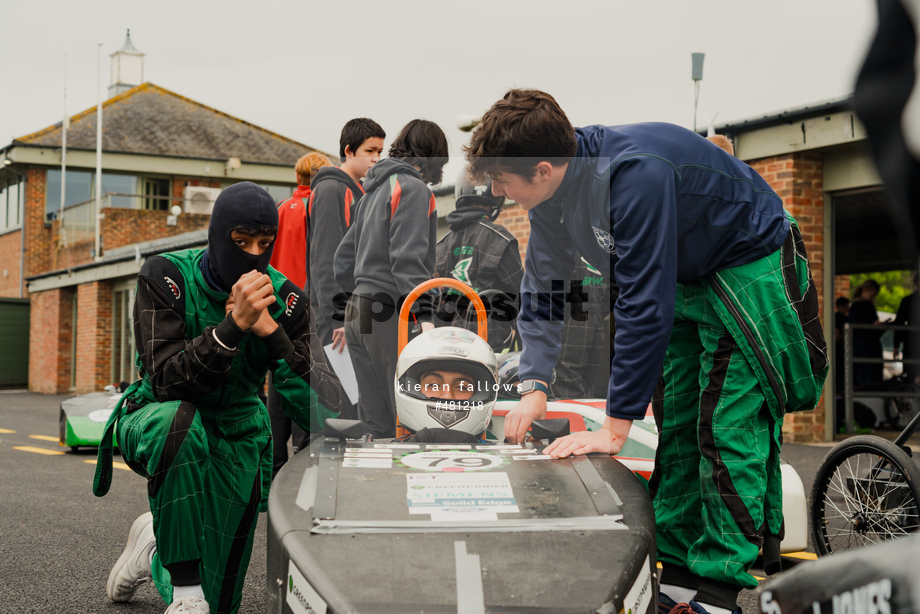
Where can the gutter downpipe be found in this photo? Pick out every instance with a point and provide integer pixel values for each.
(22, 235)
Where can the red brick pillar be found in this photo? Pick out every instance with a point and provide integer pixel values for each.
(799, 180)
(10, 255)
(39, 240)
(94, 336)
(50, 339)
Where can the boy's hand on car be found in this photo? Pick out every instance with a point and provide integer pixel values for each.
(609, 439)
(532, 407)
(250, 297)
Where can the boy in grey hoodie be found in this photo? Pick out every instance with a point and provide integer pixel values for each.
(388, 250)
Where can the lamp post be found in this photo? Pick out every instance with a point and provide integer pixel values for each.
(98, 244)
(697, 76)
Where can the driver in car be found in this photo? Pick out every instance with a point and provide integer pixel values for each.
(446, 385)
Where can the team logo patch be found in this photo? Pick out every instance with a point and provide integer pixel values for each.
(462, 270)
(604, 239)
(173, 287)
(290, 303)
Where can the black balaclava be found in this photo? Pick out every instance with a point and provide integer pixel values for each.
(242, 204)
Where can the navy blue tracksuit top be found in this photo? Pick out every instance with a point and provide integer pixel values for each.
(651, 205)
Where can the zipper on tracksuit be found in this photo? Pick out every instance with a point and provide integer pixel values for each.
(752, 341)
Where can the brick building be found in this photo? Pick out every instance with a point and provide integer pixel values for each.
(164, 160)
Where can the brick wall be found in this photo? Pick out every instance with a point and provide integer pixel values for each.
(94, 337)
(40, 241)
(50, 335)
(179, 184)
(122, 227)
(10, 255)
(842, 287)
(515, 220)
(798, 179)
(119, 227)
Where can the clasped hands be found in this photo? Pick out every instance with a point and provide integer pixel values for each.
(250, 298)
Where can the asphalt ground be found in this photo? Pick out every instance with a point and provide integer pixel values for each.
(58, 541)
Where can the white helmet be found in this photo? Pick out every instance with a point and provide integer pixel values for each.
(446, 349)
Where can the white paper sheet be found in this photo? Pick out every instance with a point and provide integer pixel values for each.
(341, 364)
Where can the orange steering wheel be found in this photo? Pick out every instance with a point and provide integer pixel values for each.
(437, 282)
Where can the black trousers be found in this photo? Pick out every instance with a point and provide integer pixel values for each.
(372, 344)
(283, 428)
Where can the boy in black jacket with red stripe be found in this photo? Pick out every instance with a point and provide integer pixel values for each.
(335, 192)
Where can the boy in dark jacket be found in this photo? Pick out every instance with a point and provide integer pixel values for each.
(716, 301)
(336, 192)
(484, 255)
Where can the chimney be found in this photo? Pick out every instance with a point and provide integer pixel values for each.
(127, 68)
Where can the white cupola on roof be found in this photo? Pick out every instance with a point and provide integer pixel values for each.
(127, 68)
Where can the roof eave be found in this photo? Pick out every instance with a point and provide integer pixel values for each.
(788, 116)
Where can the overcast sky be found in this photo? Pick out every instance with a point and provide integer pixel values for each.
(303, 68)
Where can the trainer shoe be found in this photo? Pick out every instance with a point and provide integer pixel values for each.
(133, 566)
(190, 604)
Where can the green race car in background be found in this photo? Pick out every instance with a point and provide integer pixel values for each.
(82, 418)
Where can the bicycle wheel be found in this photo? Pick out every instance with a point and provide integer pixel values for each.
(866, 491)
(901, 410)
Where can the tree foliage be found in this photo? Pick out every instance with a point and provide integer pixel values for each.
(895, 285)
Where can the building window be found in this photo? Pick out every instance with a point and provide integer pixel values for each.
(9, 202)
(79, 189)
(118, 190)
(156, 194)
(123, 349)
(278, 192)
(121, 190)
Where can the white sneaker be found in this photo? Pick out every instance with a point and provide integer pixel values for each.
(190, 604)
(133, 566)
